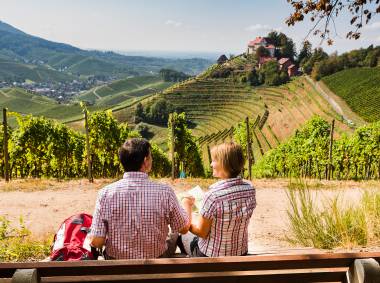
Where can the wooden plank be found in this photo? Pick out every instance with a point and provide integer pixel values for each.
(186, 264)
(151, 266)
(302, 275)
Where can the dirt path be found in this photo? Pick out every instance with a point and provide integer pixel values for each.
(47, 203)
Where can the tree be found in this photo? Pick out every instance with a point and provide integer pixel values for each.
(185, 147)
(324, 12)
(317, 56)
(261, 52)
(285, 45)
(305, 52)
(271, 75)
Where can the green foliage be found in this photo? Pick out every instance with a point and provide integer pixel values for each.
(186, 148)
(43, 148)
(40, 147)
(105, 140)
(286, 47)
(306, 154)
(334, 224)
(16, 244)
(359, 87)
(271, 75)
(169, 75)
(161, 164)
(261, 52)
(156, 113)
(317, 56)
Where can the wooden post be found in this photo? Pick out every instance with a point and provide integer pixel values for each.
(173, 145)
(5, 146)
(330, 149)
(89, 165)
(209, 154)
(248, 149)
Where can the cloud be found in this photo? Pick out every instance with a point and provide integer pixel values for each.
(173, 23)
(260, 27)
(257, 27)
(372, 26)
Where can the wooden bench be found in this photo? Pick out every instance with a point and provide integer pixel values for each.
(331, 267)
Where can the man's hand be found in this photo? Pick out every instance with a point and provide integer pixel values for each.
(98, 242)
(188, 201)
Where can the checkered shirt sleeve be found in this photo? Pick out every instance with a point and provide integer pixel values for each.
(208, 206)
(98, 226)
(178, 218)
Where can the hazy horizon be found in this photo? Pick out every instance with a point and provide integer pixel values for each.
(168, 27)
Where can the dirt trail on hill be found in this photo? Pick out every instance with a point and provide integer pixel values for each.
(44, 210)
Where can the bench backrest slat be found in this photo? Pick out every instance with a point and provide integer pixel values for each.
(318, 275)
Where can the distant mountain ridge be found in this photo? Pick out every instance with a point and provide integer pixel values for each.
(20, 48)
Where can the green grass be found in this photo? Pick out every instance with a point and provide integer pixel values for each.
(360, 88)
(333, 224)
(17, 244)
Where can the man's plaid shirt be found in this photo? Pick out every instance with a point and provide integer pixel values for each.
(133, 214)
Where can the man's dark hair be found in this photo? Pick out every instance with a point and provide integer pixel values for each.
(133, 152)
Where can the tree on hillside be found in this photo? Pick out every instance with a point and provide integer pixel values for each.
(286, 47)
(305, 52)
(324, 12)
(271, 75)
(261, 52)
(169, 75)
(317, 56)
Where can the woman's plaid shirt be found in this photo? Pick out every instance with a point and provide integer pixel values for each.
(133, 214)
(229, 204)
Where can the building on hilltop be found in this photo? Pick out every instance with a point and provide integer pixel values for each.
(264, 59)
(253, 45)
(284, 63)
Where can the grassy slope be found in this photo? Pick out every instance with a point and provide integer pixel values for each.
(217, 104)
(116, 95)
(30, 72)
(360, 88)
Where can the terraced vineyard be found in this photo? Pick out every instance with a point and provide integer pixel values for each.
(217, 105)
(360, 88)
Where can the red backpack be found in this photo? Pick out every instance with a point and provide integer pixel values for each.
(71, 241)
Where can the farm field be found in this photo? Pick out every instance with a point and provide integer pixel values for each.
(48, 199)
(360, 88)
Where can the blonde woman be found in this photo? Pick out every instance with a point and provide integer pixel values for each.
(222, 226)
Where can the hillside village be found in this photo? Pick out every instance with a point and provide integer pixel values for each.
(255, 48)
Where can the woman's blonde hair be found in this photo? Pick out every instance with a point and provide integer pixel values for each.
(230, 156)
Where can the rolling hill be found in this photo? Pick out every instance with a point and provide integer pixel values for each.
(23, 50)
(118, 94)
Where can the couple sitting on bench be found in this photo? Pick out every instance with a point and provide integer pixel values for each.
(132, 215)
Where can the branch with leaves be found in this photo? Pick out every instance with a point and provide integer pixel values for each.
(324, 12)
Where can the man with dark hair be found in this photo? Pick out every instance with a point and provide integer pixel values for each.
(132, 215)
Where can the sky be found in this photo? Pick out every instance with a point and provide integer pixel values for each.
(217, 26)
